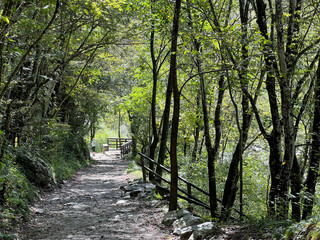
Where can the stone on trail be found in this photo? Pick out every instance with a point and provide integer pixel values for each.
(198, 232)
(186, 221)
(122, 202)
(139, 189)
(172, 216)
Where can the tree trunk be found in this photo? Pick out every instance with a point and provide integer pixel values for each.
(132, 119)
(119, 123)
(313, 171)
(231, 187)
(155, 137)
(196, 133)
(165, 129)
(274, 139)
(296, 186)
(173, 205)
(211, 151)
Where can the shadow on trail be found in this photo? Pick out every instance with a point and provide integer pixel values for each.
(91, 206)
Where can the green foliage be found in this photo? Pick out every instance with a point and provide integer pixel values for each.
(105, 129)
(62, 148)
(17, 191)
(308, 229)
(134, 169)
(74, 78)
(4, 236)
(157, 196)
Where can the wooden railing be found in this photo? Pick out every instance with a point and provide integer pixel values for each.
(117, 142)
(125, 148)
(187, 193)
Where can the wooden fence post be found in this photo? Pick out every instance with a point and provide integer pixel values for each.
(189, 190)
(143, 170)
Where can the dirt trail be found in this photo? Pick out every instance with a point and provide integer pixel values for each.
(91, 206)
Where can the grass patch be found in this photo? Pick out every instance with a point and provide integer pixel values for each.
(134, 169)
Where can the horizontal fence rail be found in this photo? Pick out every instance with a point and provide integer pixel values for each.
(116, 143)
(187, 194)
(125, 148)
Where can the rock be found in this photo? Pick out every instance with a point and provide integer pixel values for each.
(122, 202)
(172, 216)
(149, 187)
(144, 195)
(36, 170)
(139, 189)
(133, 188)
(154, 203)
(186, 221)
(198, 232)
(185, 233)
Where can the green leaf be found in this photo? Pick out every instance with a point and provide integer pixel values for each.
(5, 19)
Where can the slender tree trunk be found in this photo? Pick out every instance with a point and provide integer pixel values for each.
(274, 139)
(313, 171)
(132, 119)
(296, 186)
(165, 128)
(176, 110)
(211, 151)
(211, 156)
(155, 136)
(119, 123)
(196, 133)
(231, 187)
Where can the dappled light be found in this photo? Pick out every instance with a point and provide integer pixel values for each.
(91, 206)
(216, 104)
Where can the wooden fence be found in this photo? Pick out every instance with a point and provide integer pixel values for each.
(188, 194)
(125, 148)
(117, 142)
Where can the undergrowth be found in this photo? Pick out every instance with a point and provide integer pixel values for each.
(16, 195)
(62, 151)
(306, 229)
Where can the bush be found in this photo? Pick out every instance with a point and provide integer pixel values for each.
(17, 193)
(60, 148)
(309, 229)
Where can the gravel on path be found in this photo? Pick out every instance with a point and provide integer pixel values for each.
(91, 206)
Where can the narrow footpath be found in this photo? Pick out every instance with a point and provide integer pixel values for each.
(91, 206)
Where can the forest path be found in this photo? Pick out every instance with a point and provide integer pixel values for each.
(91, 206)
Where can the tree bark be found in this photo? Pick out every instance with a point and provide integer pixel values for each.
(313, 171)
(155, 136)
(212, 151)
(132, 119)
(274, 139)
(173, 205)
(165, 128)
(231, 188)
(296, 186)
(196, 132)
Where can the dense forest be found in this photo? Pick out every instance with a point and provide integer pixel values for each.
(225, 93)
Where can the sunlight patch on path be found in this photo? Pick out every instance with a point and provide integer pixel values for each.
(91, 206)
